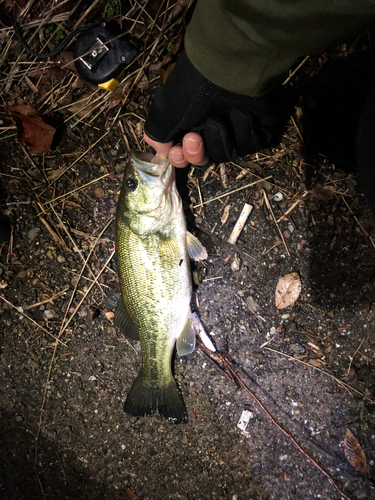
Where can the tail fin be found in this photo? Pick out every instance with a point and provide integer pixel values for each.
(144, 400)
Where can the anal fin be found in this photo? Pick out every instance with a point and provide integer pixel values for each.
(195, 248)
(185, 342)
(124, 322)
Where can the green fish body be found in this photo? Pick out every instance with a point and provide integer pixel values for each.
(153, 249)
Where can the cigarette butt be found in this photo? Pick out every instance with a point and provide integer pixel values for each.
(246, 211)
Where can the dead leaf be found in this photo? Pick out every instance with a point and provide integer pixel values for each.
(82, 107)
(128, 494)
(317, 363)
(31, 129)
(354, 452)
(287, 290)
(143, 82)
(323, 193)
(164, 73)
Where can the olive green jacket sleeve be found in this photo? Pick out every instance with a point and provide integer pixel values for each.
(247, 46)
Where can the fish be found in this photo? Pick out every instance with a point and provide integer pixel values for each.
(153, 250)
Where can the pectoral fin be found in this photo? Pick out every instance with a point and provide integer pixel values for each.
(124, 321)
(195, 247)
(185, 343)
(169, 253)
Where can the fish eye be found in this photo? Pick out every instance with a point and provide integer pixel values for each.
(131, 184)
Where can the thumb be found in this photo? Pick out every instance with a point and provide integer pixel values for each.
(161, 148)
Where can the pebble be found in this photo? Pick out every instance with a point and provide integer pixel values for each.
(99, 193)
(33, 233)
(49, 313)
(251, 304)
(297, 348)
(236, 264)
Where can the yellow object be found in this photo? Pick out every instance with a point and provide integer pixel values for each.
(111, 85)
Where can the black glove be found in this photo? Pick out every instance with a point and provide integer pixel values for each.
(230, 124)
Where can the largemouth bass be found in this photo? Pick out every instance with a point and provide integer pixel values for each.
(153, 249)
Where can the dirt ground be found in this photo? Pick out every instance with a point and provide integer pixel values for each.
(63, 432)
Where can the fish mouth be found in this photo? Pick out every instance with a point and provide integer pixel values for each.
(148, 163)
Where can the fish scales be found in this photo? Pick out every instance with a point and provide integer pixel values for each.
(153, 249)
(148, 293)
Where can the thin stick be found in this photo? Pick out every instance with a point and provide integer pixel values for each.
(218, 358)
(55, 349)
(234, 191)
(357, 221)
(75, 190)
(292, 207)
(275, 221)
(50, 299)
(77, 160)
(298, 130)
(124, 135)
(241, 221)
(295, 70)
(344, 384)
(351, 361)
(33, 321)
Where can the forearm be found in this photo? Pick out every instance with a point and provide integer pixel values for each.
(246, 46)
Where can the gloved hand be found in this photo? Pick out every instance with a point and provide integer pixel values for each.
(230, 124)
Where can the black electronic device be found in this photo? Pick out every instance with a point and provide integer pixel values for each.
(101, 54)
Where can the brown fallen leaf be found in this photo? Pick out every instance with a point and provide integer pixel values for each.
(83, 107)
(323, 193)
(287, 290)
(354, 452)
(128, 494)
(31, 129)
(317, 363)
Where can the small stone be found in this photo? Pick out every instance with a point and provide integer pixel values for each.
(19, 418)
(256, 467)
(99, 193)
(236, 264)
(137, 346)
(33, 233)
(61, 259)
(251, 304)
(49, 313)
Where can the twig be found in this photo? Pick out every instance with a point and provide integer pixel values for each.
(62, 330)
(32, 320)
(50, 299)
(241, 221)
(77, 160)
(295, 70)
(357, 221)
(344, 384)
(217, 357)
(124, 135)
(275, 221)
(75, 190)
(234, 191)
(292, 207)
(351, 360)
